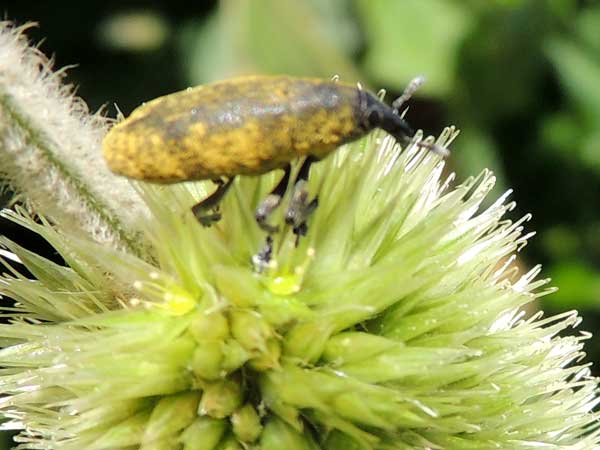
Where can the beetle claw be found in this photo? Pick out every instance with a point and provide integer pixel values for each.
(300, 208)
(263, 257)
(207, 211)
(207, 220)
(264, 210)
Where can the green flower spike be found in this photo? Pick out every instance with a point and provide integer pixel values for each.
(396, 323)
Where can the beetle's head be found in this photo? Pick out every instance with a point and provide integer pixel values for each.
(376, 114)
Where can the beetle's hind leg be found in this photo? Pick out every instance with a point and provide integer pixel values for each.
(300, 207)
(272, 201)
(207, 211)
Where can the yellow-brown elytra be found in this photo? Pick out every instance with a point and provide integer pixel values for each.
(248, 126)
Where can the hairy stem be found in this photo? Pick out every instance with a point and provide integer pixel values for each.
(50, 150)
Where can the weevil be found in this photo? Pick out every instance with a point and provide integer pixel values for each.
(249, 126)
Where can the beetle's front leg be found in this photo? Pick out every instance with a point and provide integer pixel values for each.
(207, 211)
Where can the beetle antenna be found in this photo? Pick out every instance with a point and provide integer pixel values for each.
(414, 84)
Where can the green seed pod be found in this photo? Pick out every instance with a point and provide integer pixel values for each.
(306, 341)
(269, 359)
(246, 424)
(231, 443)
(220, 399)
(238, 286)
(170, 415)
(212, 326)
(250, 330)
(341, 441)
(277, 435)
(355, 346)
(234, 355)
(207, 361)
(170, 443)
(203, 434)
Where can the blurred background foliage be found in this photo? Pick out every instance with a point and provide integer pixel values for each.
(521, 78)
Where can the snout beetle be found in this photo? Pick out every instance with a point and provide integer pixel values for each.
(249, 126)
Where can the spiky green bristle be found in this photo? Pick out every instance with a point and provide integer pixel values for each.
(396, 323)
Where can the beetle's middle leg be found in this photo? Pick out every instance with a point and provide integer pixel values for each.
(263, 212)
(298, 210)
(272, 201)
(207, 211)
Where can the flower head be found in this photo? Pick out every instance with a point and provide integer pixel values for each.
(395, 323)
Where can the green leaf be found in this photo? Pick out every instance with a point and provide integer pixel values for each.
(579, 286)
(588, 24)
(268, 36)
(579, 72)
(413, 37)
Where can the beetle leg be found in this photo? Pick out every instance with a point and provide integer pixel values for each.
(300, 208)
(261, 259)
(272, 201)
(301, 229)
(206, 211)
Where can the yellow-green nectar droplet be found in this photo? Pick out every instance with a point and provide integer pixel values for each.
(178, 303)
(284, 284)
